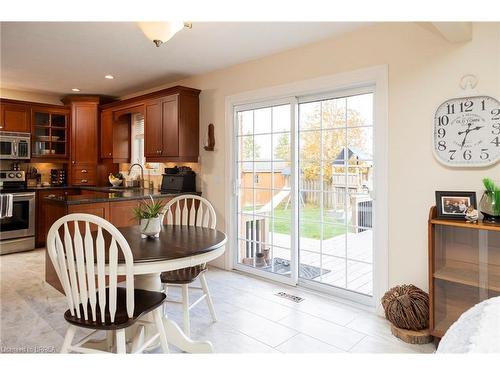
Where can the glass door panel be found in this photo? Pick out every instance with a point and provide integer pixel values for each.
(264, 213)
(335, 165)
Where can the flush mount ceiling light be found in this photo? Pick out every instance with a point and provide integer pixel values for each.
(109, 76)
(161, 32)
(75, 90)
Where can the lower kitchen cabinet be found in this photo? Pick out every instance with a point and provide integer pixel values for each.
(41, 227)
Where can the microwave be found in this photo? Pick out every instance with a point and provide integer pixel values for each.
(14, 145)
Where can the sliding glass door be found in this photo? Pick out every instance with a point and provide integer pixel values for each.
(335, 159)
(304, 189)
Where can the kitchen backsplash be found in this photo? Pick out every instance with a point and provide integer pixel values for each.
(153, 171)
(42, 168)
(150, 174)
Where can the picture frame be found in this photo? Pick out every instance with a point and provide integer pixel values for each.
(454, 204)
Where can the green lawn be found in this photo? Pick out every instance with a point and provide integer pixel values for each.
(308, 227)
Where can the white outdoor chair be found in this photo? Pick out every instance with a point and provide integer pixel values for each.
(80, 264)
(191, 210)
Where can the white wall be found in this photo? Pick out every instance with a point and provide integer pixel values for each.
(424, 71)
(30, 96)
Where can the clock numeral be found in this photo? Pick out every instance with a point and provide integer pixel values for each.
(482, 105)
(496, 141)
(441, 133)
(467, 154)
(451, 109)
(496, 114)
(441, 145)
(466, 107)
(443, 120)
(496, 129)
(452, 154)
(484, 154)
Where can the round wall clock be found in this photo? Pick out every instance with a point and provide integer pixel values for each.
(467, 132)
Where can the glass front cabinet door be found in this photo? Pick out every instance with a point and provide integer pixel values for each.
(50, 133)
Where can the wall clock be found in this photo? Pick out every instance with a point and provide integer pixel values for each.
(467, 132)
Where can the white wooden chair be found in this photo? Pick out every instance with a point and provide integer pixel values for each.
(80, 264)
(191, 210)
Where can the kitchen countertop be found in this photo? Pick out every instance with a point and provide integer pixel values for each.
(109, 194)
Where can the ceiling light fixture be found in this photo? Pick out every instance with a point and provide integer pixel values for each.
(161, 32)
(75, 90)
(109, 76)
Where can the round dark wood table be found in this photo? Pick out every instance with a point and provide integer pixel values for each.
(177, 247)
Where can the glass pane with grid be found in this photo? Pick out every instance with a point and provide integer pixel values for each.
(335, 164)
(263, 142)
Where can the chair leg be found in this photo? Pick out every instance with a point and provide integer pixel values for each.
(210, 303)
(70, 334)
(185, 308)
(161, 330)
(121, 345)
(164, 289)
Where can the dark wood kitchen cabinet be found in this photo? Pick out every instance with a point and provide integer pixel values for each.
(172, 127)
(50, 133)
(14, 117)
(115, 136)
(41, 227)
(84, 139)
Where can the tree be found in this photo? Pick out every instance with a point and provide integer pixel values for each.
(282, 150)
(313, 148)
(249, 150)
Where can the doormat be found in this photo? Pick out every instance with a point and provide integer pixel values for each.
(282, 266)
(291, 297)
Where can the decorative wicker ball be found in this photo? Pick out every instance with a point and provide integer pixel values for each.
(407, 307)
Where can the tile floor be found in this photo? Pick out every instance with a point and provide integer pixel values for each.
(251, 318)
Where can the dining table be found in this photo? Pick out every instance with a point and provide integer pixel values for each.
(176, 247)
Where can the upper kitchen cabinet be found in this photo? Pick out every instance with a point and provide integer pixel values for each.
(171, 125)
(116, 129)
(115, 136)
(84, 136)
(14, 117)
(50, 132)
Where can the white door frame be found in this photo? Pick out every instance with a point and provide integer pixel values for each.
(376, 76)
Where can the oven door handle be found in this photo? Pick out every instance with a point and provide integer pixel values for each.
(27, 195)
(14, 148)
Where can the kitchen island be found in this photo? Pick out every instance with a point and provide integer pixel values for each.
(113, 204)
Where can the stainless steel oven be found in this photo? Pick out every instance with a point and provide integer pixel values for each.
(17, 233)
(15, 145)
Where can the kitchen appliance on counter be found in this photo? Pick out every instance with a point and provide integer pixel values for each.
(17, 232)
(178, 180)
(15, 146)
(58, 177)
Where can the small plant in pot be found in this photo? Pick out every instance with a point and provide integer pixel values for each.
(150, 215)
(490, 202)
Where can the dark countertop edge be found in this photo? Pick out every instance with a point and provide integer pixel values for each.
(90, 200)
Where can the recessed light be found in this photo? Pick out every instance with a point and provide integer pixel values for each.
(75, 90)
(109, 76)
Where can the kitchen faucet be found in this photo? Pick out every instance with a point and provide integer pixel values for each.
(142, 173)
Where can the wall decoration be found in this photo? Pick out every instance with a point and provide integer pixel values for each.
(467, 132)
(454, 204)
(211, 138)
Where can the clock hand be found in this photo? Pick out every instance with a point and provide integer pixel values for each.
(466, 131)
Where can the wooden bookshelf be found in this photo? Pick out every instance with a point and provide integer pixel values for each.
(464, 268)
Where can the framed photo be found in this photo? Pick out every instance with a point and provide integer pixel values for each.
(454, 204)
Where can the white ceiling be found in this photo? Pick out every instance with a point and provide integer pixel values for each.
(53, 57)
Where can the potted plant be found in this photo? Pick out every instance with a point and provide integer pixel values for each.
(150, 215)
(490, 202)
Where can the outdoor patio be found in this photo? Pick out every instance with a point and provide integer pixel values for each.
(345, 260)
